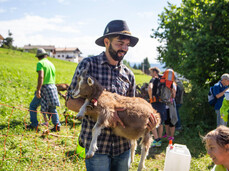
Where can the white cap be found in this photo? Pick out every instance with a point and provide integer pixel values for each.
(227, 94)
(225, 76)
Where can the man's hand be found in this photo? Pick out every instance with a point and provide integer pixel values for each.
(38, 94)
(116, 118)
(151, 123)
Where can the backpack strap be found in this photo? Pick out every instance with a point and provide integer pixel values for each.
(155, 87)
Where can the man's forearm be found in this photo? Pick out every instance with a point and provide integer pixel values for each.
(221, 94)
(40, 80)
(39, 84)
(150, 89)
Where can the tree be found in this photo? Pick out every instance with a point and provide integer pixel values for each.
(145, 65)
(195, 43)
(135, 66)
(8, 41)
(195, 39)
(126, 63)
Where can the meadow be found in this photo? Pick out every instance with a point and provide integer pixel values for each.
(21, 149)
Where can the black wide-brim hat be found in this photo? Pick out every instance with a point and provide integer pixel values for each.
(117, 27)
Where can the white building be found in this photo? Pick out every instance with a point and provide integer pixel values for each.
(50, 49)
(67, 54)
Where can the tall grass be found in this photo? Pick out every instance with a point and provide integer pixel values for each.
(27, 150)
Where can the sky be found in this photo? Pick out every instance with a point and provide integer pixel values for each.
(78, 23)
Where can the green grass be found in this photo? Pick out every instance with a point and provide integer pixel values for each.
(27, 150)
(141, 77)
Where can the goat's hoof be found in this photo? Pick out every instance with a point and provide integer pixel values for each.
(89, 155)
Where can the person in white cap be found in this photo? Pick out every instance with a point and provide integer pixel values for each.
(113, 151)
(218, 90)
(46, 94)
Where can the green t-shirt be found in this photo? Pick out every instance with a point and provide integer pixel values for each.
(219, 168)
(224, 110)
(48, 69)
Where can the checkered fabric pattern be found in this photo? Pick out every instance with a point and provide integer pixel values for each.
(49, 97)
(117, 79)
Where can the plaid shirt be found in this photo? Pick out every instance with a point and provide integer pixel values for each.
(49, 97)
(116, 79)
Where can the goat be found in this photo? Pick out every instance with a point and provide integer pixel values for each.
(62, 87)
(135, 116)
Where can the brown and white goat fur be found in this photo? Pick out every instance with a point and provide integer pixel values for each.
(135, 116)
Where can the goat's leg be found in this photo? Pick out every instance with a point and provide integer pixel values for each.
(133, 148)
(144, 153)
(82, 110)
(146, 140)
(93, 146)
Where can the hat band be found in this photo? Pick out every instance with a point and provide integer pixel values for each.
(126, 32)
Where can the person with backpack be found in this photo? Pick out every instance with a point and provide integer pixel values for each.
(218, 91)
(160, 93)
(171, 113)
(159, 106)
(179, 100)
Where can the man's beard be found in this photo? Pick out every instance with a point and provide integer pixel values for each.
(114, 54)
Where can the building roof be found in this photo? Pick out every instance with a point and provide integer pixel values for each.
(1, 38)
(67, 49)
(46, 47)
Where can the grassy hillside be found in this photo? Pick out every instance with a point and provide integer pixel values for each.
(26, 150)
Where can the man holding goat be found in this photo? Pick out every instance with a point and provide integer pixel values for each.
(113, 151)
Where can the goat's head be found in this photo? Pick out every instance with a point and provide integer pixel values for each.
(85, 86)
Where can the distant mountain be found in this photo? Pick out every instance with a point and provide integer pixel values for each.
(160, 66)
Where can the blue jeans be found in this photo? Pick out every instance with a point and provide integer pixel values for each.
(33, 112)
(104, 162)
(220, 120)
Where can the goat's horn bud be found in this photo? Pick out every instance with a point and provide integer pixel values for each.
(84, 73)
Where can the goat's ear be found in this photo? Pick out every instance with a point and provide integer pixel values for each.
(90, 81)
(84, 73)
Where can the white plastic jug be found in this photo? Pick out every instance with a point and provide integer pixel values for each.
(178, 158)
